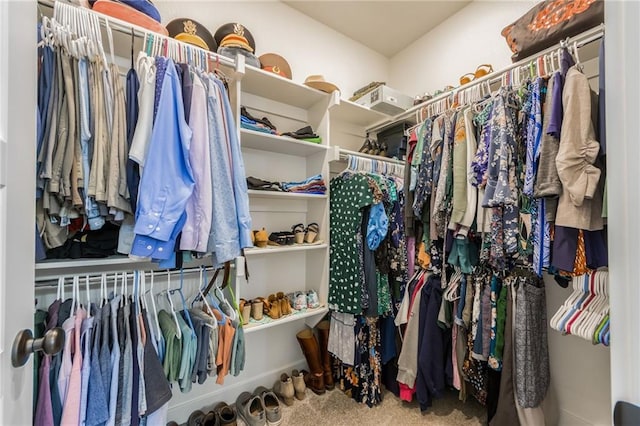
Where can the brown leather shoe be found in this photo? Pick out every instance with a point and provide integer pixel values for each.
(323, 339)
(309, 345)
(285, 306)
(272, 307)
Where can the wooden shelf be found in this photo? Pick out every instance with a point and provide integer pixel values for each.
(267, 322)
(271, 86)
(283, 249)
(280, 144)
(253, 193)
(351, 112)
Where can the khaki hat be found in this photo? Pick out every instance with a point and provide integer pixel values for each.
(192, 32)
(276, 64)
(318, 82)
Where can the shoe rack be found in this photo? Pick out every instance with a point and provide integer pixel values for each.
(297, 267)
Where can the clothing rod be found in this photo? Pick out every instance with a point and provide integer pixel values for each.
(582, 39)
(344, 153)
(139, 32)
(95, 277)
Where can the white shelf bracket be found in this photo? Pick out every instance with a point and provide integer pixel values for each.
(240, 67)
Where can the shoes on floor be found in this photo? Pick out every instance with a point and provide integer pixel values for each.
(226, 414)
(300, 389)
(271, 405)
(284, 389)
(196, 419)
(251, 410)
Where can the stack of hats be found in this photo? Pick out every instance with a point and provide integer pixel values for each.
(138, 12)
(192, 32)
(234, 39)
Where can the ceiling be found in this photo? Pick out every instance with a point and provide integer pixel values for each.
(384, 26)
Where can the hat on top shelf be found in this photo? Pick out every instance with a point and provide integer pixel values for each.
(192, 32)
(235, 35)
(276, 64)
(129, 14)
(318, 82)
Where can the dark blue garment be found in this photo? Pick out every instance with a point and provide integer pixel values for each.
(387, 339)
(432, 346)
(462, 300)
(132, 108)
(187, 89)
(161, 69)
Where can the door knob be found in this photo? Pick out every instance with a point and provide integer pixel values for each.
(24, 345)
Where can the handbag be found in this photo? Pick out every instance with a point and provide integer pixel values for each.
(550, 21)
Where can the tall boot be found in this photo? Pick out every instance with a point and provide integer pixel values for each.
(323, 338)
(309, 345)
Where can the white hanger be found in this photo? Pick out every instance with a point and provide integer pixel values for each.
(60, 294)
(155, 311)
(231, 312)
(74, 297)
(104, 296)
(86, 284)
(173, 309)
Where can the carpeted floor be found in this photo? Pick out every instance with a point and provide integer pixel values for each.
(336, 409)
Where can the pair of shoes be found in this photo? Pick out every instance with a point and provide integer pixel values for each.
(305, 235)
(260, 408)
(481, 71)
(281, 238)
(259, 238)
(221, 415)
(288, 387)
(251, 309)
(301, 300)
(320, 376)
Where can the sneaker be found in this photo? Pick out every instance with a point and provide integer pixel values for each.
(312, 299)
(226, 414)
(251, 409)
(271, 406)
(299, 301)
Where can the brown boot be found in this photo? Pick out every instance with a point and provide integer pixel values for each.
(323, 338)
(309, 345)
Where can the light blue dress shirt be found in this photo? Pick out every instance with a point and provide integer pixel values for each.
(167, 180)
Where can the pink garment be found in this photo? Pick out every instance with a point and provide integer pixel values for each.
(454, 354)
(411, 255)
(71, 405)
(406, 393)
(44, 410)
(195, 233)
(66, 364)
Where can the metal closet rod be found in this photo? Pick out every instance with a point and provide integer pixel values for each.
(139, 32)
(344, 153)
(95, 277)
(581, 39)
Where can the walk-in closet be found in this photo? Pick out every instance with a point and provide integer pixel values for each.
(315, 213)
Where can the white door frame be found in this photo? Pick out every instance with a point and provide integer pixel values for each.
(622, 55)
(18, 103)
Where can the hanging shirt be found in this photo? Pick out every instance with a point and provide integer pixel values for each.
(167, 181)
(71, 407)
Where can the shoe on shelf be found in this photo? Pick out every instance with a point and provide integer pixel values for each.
(226, 414)
(285, 307)
(261, 238)
(298, 300)
(299, 387)
(281, 238)
(251, 409)
(272, 307)
(383, 149)
(298, 232)
(257, 307)
(271, 405)
(312, 232)
(245, 310)
(284, 389)
(312, 299)
(366, 146)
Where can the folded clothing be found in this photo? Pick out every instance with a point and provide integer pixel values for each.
(256, 127)
(245, 115)
(312, 185)
(262, 185)
(303, 133)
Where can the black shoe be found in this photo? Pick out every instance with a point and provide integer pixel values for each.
(366, 146)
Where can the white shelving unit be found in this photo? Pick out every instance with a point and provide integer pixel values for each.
(285, 195)
(279, 144)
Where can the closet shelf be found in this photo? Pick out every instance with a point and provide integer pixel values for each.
(280, 144)
(267, 322)
(351, 112)
(277, 249)
(272, 86)
(253, 193)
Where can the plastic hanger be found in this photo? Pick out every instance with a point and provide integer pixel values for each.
(155, 311)
(184, 303)
(74, 297)
(220, 296)
(60, 293)
(171, 307)
(86, 284)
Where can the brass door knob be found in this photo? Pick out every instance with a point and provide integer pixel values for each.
(24, 345)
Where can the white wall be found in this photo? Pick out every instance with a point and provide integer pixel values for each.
(309, 46)
(456, 47)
